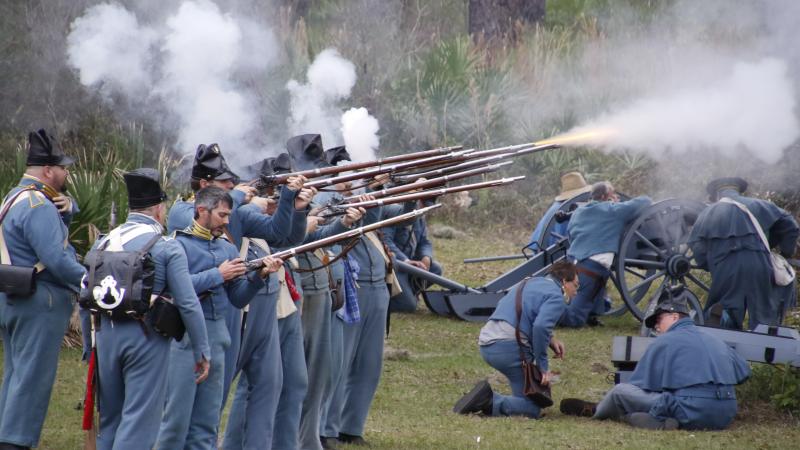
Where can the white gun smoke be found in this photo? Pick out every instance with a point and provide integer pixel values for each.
(181, 72)
(315, 107)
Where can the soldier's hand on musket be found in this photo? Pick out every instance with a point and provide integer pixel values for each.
(271, 265)
(63, 203)
(201, 369)
(312, 223)
(264, 203)
(365, 198)
(353, 215)
(379, 180)
(249, 191)
(232, 268)
(557, 347)
(426, 261)
(417, 264)
(296, 182)
(304, 197)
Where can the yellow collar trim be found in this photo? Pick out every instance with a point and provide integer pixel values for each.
(47, 190)
(200, 231)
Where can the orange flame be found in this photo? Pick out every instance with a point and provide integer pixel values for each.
(583, 137)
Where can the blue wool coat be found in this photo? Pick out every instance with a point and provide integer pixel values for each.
(696, 372)
(597, 226)
(542, 306)
(33, 326)
(725, 242)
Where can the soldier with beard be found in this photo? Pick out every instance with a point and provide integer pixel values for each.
(35, 218)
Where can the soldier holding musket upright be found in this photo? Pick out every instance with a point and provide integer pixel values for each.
(34, 313)
(132, 354)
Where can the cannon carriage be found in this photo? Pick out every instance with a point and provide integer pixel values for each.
(653, 255)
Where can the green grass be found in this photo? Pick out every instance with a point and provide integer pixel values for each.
(412, 409)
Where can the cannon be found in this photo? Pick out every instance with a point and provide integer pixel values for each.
(652, 256)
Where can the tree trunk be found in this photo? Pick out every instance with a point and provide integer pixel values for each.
(497, 19)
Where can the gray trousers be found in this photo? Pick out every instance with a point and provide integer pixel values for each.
(316, 321)
(624, 399)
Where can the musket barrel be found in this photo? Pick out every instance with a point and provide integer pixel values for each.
(311, 246)
(432, 182)
(324, 171)
(421, 195)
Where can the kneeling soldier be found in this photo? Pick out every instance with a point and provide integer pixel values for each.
(686, 377)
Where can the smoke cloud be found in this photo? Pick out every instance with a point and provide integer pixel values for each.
(315, 104)
(752, 110)
(360, 133)
(183, 70)
(694, 79)
(316, 107)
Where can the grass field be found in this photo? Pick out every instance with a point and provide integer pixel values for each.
(439, 361)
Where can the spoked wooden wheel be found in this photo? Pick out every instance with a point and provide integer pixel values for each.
(654, 255)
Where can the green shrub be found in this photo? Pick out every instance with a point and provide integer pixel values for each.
(778, 385)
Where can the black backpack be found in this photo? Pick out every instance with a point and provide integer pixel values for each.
(118, 283)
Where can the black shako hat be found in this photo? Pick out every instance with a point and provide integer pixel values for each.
(719, 184)
(671, 300)
(336, 154)
(144, 189)
(209, 164)
(306, 152)
(44, 150)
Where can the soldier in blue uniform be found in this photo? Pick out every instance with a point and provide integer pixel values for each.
(726, 242)
(253, 411)
(409, 242)
(284, 228)
(34, 234)
(191, 416)
(316, 325)
(685, 379)
(542, 303)
(594, 233)
(132, 358)
(363, 340)
(572, 185)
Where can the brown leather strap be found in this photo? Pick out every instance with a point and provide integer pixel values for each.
(587, 272)
(382, 238)
(518, 307)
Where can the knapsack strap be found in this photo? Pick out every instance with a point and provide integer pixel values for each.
(518, 308)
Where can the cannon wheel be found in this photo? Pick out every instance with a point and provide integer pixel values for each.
(617, 309)
(654, 252)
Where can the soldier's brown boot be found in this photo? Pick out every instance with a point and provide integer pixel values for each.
(577, 407)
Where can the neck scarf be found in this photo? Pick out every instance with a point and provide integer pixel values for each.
(195, 229)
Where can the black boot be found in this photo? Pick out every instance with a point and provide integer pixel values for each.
(646, 421)
(479, 399)
(352, 439)
(328, 443)
(577, 407)
(7, 446)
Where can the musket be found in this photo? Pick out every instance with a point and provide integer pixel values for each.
(484, 157)
(255, 264)
(447, 160)
(324, 171)
(433, 182)
(380, 170)
(340, 209)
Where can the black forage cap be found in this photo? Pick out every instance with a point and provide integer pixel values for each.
(44, 150)
(719, 184)
(336, 154)
(209, 164)
(144, 189)
(272, 166)
(671, 300)
(306, 152)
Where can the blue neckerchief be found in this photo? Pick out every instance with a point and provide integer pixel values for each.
(350, 313)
